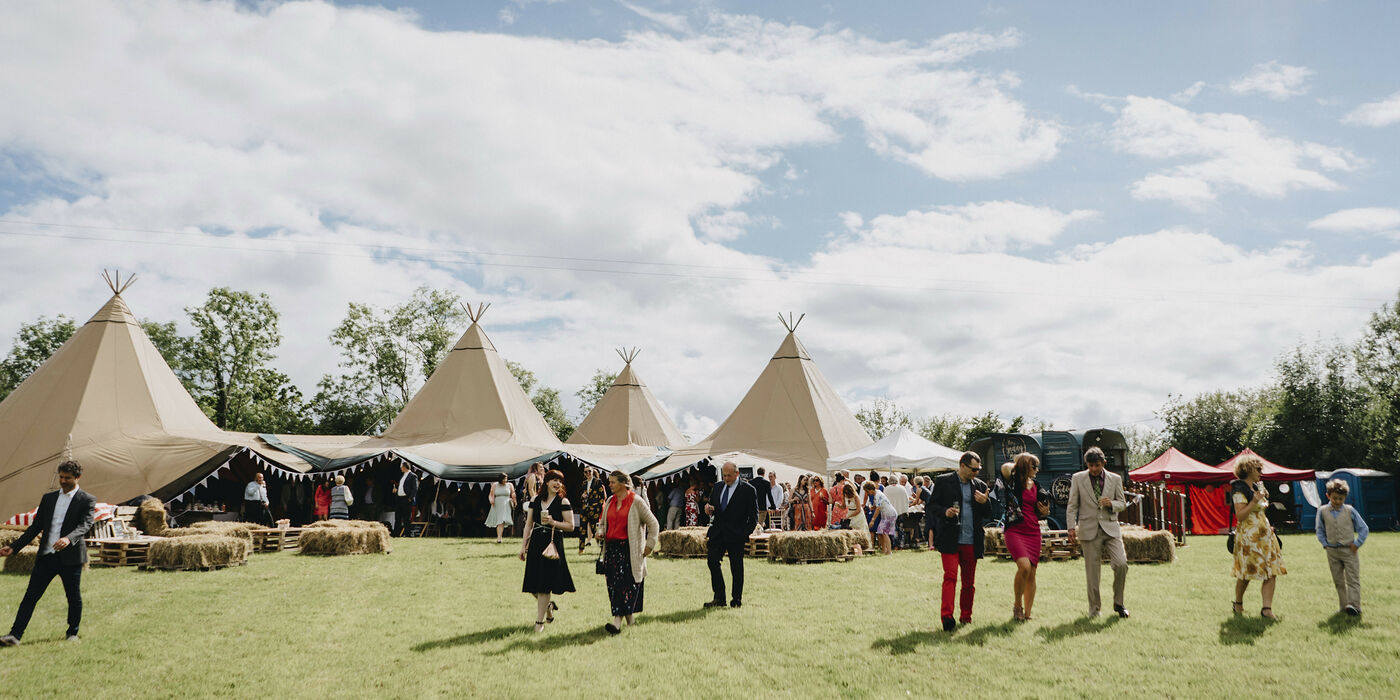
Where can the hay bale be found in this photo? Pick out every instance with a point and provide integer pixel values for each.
(346, 524)
(8, 535)
(1149, 545)
(207, 551)
(366, 538)
(808, 546)
(150, 517)
(22, 562)
(684, 542)
(992, 539)
(856, 538)
(228, 529)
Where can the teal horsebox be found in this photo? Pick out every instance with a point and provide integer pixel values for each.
(1061, 454)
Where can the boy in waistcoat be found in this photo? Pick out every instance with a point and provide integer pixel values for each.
(1342, 532)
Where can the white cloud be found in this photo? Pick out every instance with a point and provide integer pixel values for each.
(1228, 152)
(979, 227)
(333, 134)
(674, 22)
(1274, 80)
(1381, 113)
(1185, 96)
(1189, 192)
(1361, 220)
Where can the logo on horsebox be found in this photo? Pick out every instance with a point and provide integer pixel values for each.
(1012, 446)
(1059, 488)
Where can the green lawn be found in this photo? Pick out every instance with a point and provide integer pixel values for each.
(444, 618)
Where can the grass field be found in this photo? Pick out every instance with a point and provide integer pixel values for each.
(444, 618)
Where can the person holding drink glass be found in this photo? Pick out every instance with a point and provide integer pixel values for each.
(1025, 505)
(542, 547)
(959, 505)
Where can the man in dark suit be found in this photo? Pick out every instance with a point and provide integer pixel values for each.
(733, 511)
(406, 491)
(763, 495)
(64, 517)
(959, 505)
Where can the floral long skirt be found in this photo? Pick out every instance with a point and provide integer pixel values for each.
(624, 593)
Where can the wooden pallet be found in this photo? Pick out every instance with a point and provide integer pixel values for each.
(276, 539)
(757, 546)
(668, 555)
(844, 557)
(124, 552)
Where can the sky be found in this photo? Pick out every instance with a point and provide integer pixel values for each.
(1064, 211)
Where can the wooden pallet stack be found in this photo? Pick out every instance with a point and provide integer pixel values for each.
(276, 539)
(124, 552)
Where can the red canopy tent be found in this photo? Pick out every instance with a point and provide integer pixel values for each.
(1272, 472)
(1176, 467)
(1201, 482)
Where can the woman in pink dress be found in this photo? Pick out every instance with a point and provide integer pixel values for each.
(1025, 504)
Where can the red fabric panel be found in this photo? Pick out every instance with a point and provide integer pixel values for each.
(1209, 514)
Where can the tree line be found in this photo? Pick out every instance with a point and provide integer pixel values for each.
(1327, 405)
(227, 364)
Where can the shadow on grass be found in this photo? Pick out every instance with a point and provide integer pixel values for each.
(1341, 623)
(1081, 626)
(481, 637)
(910, 642)
(1241, 629)
(545, 643)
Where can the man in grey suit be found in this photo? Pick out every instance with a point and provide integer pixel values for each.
(64, 518)
(1095, 499)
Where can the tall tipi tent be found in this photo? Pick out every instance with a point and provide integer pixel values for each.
(469, 422)
(791, 415)
(628, 414)
(107, 399)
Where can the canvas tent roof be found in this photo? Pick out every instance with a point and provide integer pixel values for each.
(900, 451)
(791, 415)
(628, 414)
(469, 422)
(1176, 467)
(131, 423)
(1272, 472)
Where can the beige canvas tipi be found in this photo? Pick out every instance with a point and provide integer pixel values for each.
(628, 414)
(791, 415)
(108, 398)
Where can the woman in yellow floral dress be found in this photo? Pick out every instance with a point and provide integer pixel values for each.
(1258, 556)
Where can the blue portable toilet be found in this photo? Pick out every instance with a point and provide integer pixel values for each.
(1371, 493)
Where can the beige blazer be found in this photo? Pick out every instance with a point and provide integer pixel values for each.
(1083, 512)
(638, 539)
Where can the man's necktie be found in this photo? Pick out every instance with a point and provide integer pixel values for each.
(724, 498)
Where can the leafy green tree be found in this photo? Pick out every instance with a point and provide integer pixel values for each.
(978, 427)
(227, 362)
(591, 393)
(1144, 444)
(34, 343)
(387, 355)
(1211, 426)
(1378, 368)
(546, 400)
(1312, 415)
(947, 429)
(883, 417)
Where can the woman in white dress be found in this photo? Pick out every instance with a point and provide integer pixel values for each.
(502, 505)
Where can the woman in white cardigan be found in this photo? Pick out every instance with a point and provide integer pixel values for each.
(629, 531)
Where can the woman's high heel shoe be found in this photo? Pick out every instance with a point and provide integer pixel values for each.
(1267, 613)
(1017, 614)
(1239, 607)
(549, 616)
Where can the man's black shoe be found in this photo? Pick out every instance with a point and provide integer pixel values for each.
(949, 624)
(715, 604)
(1122, 611)
(736, 603)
